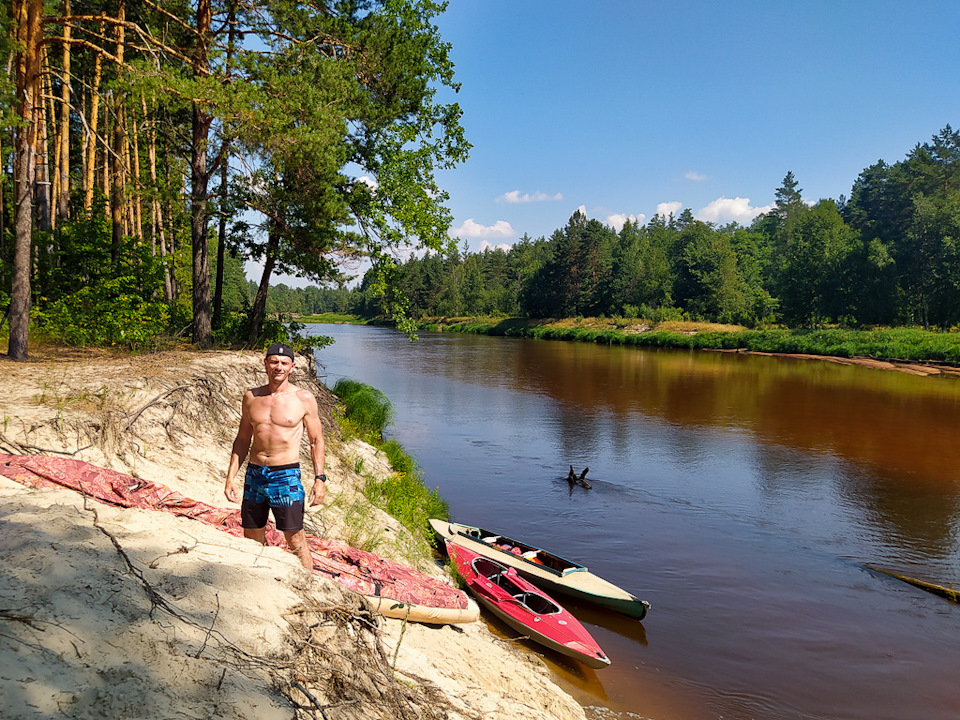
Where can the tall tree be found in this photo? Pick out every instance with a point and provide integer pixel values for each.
(27, 16)
(815, 282)
(200, 172)
(788, 197)
(709, 281)
(117, 170)
(347, 91)
(63, 146)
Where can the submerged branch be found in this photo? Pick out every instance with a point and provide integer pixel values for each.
(945, 592)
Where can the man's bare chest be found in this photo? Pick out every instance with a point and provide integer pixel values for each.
(279, 411)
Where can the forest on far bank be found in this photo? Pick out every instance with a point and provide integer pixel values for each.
(886, 256)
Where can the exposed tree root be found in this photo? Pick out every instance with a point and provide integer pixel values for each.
(335, 666)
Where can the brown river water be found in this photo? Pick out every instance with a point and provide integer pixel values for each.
(743, 496)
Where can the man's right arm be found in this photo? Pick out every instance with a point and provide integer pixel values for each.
(241, 446)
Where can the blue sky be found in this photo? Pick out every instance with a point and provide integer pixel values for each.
(625, 109)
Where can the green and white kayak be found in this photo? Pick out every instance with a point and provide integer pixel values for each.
(543, 568)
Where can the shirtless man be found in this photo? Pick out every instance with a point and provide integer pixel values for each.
(273, 418)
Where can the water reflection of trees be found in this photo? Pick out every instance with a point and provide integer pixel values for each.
(894, 434)
(915, 517)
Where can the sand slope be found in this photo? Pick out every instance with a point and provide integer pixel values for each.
(110, 613)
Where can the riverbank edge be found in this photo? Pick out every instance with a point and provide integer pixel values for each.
(911, 350)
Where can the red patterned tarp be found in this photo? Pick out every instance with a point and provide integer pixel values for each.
(360, 571)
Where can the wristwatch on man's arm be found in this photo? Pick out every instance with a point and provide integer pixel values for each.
(322, 477)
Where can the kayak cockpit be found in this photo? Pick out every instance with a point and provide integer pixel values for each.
(529, 553)
(537, 604)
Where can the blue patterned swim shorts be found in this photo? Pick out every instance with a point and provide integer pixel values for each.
(273, 488)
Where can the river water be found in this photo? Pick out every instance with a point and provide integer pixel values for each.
(742, 496)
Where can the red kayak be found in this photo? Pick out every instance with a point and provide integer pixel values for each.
(526, 608)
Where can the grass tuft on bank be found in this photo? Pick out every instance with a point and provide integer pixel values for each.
(366, 414)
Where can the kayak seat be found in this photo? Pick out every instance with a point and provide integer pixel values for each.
(536, 603)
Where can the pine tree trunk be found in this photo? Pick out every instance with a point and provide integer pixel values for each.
(170, 277)
(27, 15)
(89, 179)
(42, 181)
(55, 177)
(3, 224)
(259, 310)
(199, 180)
(157, 231)
(224, 187)
(221, 248)
(105, 181)
(63, 196)
(136, 210)
(117, 185)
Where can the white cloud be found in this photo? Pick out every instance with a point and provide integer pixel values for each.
(695, 176)
(618, 220)
(368, 181)
(514, 196)
(471, 229)
(666, 209)
(484, 245)
(737, 209)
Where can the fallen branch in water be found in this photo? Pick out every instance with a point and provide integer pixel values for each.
(945, 592)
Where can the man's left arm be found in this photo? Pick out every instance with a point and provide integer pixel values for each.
(314, 428)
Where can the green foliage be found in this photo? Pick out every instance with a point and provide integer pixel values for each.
(347, 137)
(334, 318)
(309, 301)
(662, 314)
(399, 460)
(337, 112)
(367, 408)
(236, 291)
(234, 330)
(106, 314)
(403, 495)
(889, 256)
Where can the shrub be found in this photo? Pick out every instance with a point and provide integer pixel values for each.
(367, 408)
(105, 315)
(404, 496)
(398, 457)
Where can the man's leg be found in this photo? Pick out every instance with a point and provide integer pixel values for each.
(255, 508)
(297, 542)
(258, 534)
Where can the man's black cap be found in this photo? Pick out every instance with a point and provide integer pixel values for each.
(280, 349)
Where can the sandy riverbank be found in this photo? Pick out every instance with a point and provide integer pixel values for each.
(122, 613)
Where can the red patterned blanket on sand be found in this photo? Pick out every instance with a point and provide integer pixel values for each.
(355, 569)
